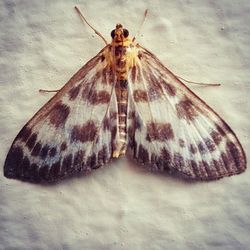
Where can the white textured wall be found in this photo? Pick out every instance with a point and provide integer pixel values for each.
(121, 206)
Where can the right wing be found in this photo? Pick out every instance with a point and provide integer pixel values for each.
(174, 130)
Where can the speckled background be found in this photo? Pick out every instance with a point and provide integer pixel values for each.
(121, 206)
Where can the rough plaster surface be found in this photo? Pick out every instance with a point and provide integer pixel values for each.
(121, 206)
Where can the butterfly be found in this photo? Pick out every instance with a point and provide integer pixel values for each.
(124, 98)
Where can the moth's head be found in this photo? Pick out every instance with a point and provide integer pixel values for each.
(119, 34)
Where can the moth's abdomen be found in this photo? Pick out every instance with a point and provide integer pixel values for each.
(122, 103)
(121, 68)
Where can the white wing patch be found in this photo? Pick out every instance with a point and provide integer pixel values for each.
(176, 131)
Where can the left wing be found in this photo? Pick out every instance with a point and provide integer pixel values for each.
(73, 132)
(172, 129)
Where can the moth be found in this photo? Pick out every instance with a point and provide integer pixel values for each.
(124, 98)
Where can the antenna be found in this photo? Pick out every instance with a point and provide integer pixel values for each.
(143, 20)
(84, 19)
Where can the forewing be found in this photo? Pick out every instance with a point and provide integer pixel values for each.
(173, 129)
(72, 132)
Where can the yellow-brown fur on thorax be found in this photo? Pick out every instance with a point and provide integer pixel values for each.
(120, 43)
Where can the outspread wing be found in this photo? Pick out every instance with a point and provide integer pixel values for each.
(170, 128)
(71, 133)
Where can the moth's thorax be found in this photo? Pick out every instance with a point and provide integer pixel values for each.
(121, 53)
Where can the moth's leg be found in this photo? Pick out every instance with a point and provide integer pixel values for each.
(143, 20)
(84, 19)
(199, 83)
(46, 91)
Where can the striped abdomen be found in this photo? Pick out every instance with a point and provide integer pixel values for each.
(121, 95)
